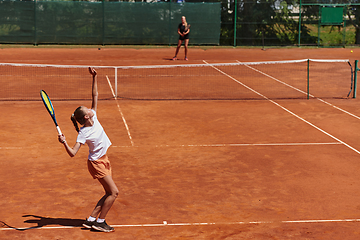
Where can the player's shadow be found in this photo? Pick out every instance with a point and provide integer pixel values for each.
(46, 221)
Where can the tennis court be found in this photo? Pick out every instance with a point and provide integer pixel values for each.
(278, 168)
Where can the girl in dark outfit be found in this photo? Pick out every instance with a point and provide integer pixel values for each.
(183, 31)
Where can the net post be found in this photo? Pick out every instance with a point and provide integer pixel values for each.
(308, 78)
(116, 83)
(355, 78)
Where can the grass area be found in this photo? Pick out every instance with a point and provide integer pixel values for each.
(333, 35)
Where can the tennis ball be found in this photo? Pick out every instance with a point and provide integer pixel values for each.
(351, 51)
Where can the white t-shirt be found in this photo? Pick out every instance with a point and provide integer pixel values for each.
(96, 139)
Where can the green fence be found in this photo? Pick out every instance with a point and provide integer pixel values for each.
(67, 22)
(284, 23)
(223, 22)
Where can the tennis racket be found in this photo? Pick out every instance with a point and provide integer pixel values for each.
(188, 27)
(48, 105)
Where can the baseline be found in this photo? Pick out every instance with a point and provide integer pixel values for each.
(165, 223)
(206, 145)
(241, 145)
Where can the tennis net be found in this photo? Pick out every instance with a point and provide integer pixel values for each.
(305, 78)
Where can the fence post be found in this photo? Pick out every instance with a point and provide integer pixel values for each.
(319, 25)
(299, 24)
(344, 26)
(35, 36)
(235, 18)
(103, 22)
(169, 31)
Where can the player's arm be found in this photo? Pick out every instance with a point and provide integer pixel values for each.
(179, 32)
(94, 89)
(70, 150)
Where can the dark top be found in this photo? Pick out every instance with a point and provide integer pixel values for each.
(182, 30)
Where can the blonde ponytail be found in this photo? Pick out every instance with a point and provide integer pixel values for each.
(73, 119)
(185, 23)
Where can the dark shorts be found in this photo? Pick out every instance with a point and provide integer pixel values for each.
(182, 38)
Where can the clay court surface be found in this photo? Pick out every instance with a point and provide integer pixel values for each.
(247, 169)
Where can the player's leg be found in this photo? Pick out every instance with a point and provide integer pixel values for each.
(111, 194)
(105, 203)
(89, 223)
(95, 213)
(186, 48)
(177, 48)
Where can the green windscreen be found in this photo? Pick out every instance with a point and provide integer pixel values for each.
(17, 22)
(106, 22)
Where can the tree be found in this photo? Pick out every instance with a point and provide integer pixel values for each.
(274, 22)
(353, 14)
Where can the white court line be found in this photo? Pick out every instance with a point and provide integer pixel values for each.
(125, 123)
(266, 75)
(340, 109)
(165, 224)
(121, 113)
(206, 145)
(239, 145)
(111, 88)
(285, 109)
(249, 144)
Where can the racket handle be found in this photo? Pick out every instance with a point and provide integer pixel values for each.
(58, 129)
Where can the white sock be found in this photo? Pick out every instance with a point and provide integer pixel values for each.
(91, 219)
(100, 220)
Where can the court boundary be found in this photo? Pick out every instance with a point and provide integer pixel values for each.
(207, 145)
(165, 224)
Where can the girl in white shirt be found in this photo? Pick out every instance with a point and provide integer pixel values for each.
(93, 134)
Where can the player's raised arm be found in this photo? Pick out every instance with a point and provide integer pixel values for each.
(94, 89)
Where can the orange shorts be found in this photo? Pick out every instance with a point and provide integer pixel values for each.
(99, 168)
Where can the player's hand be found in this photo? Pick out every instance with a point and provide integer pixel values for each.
(92, 71)
(62, 138)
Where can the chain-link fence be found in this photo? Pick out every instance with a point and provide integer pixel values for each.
(69, 22)
(214, 22)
